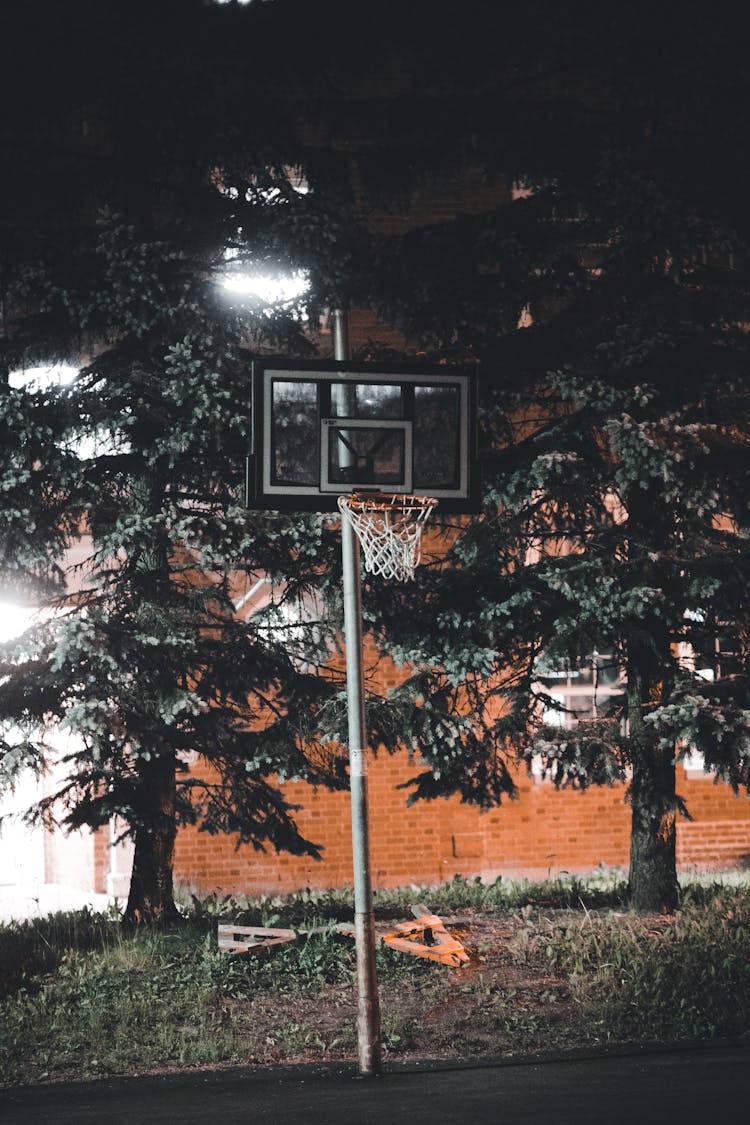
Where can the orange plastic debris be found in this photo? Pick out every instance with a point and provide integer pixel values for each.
(437, 944)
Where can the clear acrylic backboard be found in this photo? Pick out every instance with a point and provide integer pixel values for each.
(322, 430)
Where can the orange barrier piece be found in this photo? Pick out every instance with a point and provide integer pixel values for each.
(436, 944)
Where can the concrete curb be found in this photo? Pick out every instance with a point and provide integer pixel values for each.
(336, 1071)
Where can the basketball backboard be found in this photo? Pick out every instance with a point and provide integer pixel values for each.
(321, 430)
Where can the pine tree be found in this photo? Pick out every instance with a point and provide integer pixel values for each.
(139, 462)
(615, 449)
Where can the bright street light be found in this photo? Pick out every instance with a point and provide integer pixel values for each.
(15, 619)
(270, 291)
(39, 378)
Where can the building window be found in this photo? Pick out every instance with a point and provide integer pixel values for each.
(585, 691)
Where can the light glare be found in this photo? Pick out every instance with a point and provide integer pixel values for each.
(270, 291)
(40, 378)
(15, 619)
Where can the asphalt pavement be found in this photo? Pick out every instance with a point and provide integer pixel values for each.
(688, 1085)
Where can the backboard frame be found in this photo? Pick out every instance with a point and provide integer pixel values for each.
(263, 492)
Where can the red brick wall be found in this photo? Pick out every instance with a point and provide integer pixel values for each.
(102, 860)
(544, 832)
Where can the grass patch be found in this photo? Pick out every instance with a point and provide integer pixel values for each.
(557, 963)
(31, 948)
(665, 979)
(604, 888)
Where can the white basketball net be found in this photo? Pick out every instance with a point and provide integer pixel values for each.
(389, 529)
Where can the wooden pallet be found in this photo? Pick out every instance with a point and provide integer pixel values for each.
(251, 939)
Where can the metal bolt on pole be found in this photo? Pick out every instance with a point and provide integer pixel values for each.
(368, 1004)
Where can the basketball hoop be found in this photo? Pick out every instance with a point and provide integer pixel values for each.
(389, 529)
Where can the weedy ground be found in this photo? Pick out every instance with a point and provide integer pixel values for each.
(553, 965)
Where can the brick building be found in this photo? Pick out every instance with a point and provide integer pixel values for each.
(545, 832)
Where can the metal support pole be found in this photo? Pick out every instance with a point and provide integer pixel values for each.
(368, 1005)
(341, 346)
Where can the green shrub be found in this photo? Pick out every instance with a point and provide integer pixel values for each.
(36, 946)
(675, 978)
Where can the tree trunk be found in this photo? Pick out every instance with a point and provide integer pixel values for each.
(151, 897)
(653, 860)
(653, 864)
